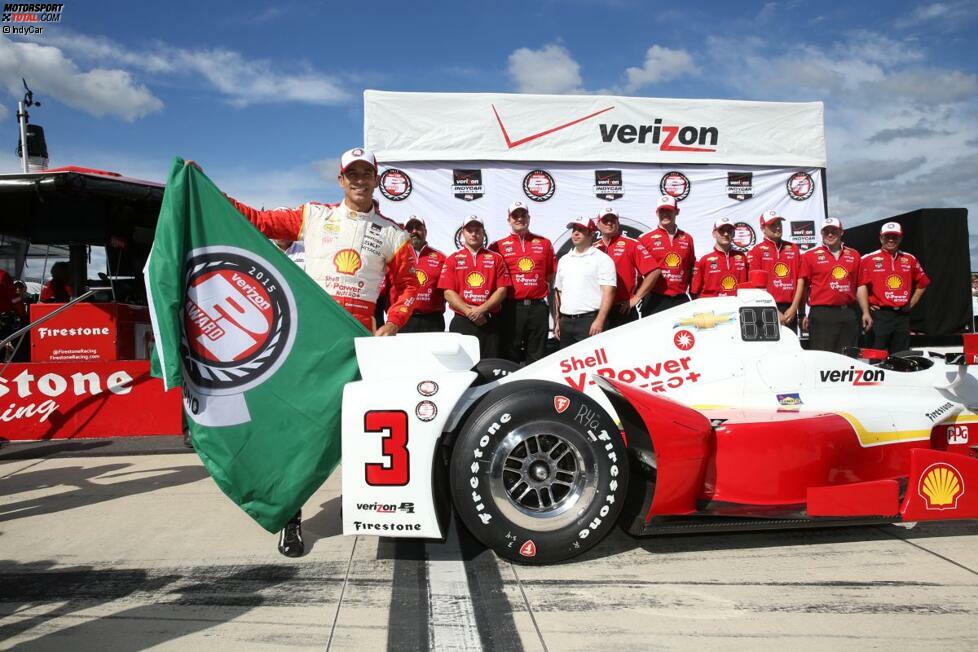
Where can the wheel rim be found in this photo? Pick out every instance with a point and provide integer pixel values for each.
(543, 475)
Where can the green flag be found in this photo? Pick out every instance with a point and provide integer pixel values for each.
(261, 351)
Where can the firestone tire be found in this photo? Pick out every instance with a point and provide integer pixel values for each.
(539, 472)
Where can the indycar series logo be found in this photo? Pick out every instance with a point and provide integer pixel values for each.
(608, 185)
(740, 185)
(467, 184)
(238, 320)
(853, 376)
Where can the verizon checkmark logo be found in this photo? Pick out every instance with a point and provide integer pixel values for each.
(516, 143)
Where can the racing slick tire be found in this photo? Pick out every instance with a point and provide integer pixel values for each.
(539, 472)
(492, 369)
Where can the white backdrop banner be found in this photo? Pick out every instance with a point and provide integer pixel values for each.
(444, 192)
(593, 128)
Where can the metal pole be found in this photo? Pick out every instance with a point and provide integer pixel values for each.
(49, 316)
(22, 119)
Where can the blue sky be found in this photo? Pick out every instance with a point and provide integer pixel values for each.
(266, 95)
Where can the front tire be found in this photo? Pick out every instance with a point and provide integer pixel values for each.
(539, 472)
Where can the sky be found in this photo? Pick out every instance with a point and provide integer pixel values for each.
(265, 96)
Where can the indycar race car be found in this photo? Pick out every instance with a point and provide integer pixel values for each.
(709, 416)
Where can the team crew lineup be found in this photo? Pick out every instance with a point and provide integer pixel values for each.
(506, 294)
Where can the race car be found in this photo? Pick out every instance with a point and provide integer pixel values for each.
(709, 416)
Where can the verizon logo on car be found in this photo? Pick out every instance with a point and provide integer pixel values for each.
(669, 138)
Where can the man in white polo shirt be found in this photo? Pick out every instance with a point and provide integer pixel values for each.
(585, 287)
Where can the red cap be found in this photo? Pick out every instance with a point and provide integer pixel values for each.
(667, 201)
(893, 228)
(770, 217)
(607, 211)
(581, 223)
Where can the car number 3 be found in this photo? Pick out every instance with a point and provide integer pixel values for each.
(395, 470)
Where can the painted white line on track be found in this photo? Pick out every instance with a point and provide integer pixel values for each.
(452, 615)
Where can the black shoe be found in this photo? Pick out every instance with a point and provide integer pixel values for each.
(290, 540)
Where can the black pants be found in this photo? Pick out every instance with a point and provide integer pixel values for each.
(574, 328)
(783, 308)
(425, 322)
(616, 318)
(891, 330)
(488, 333)
(832, 328)
(524, 330)
(653, 303)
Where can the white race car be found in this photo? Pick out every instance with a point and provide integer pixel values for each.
(708, 416)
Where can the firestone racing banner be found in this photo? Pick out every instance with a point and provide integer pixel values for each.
(447, 156)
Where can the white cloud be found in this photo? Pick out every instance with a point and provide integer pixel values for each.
(661, 65)
(240, 80)
(98, 91)
(548, 70)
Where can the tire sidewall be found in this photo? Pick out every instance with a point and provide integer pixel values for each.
(500, 413)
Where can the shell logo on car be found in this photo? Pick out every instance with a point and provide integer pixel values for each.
(839, 272)
(525, 264)
(894, 282)
(728, 282)
(941, 485)
(347, 261)
(672, 259)
(780, 270)
(475, 280)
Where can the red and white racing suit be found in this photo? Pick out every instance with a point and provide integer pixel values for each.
(347, 254)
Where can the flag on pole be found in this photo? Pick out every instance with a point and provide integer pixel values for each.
(261, 351)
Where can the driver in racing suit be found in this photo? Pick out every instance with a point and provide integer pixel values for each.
(349, 248)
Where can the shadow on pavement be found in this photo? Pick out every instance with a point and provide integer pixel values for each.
(225, 597)
(328, 522)
(86, 492)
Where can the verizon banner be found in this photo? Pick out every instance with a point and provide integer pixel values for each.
(505, 127)
(445, 156)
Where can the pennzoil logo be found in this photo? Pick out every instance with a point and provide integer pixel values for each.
(475, 280)
(800, 186)
(395, 185)
(238, 320)
(347, 261)
(675, 184)
(608, 185)
(539, 185)
(941, 485)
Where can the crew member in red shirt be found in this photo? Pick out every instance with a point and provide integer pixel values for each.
(781, 260)
(58, 289)
(673, 251)
(633, 263)
(718, 273)
(475, 281)
(831, 273)
(888, 276)
(429, 302)
(531, 263)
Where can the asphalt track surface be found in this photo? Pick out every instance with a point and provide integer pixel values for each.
(127, 545)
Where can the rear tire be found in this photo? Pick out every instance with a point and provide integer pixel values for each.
(493, 369)
(539, 473)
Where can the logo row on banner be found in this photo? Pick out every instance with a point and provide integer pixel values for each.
(444, 193)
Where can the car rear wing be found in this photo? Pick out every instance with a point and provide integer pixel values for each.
(969, 356)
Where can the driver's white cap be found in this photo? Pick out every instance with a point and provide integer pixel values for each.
(351, 156)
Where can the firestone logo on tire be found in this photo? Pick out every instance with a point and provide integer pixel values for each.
(539, 185)
(395, 185)
(239, 320)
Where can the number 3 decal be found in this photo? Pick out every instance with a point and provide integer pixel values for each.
(393, 425)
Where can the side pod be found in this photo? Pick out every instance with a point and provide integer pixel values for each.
(678, 440)
(941, 486)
